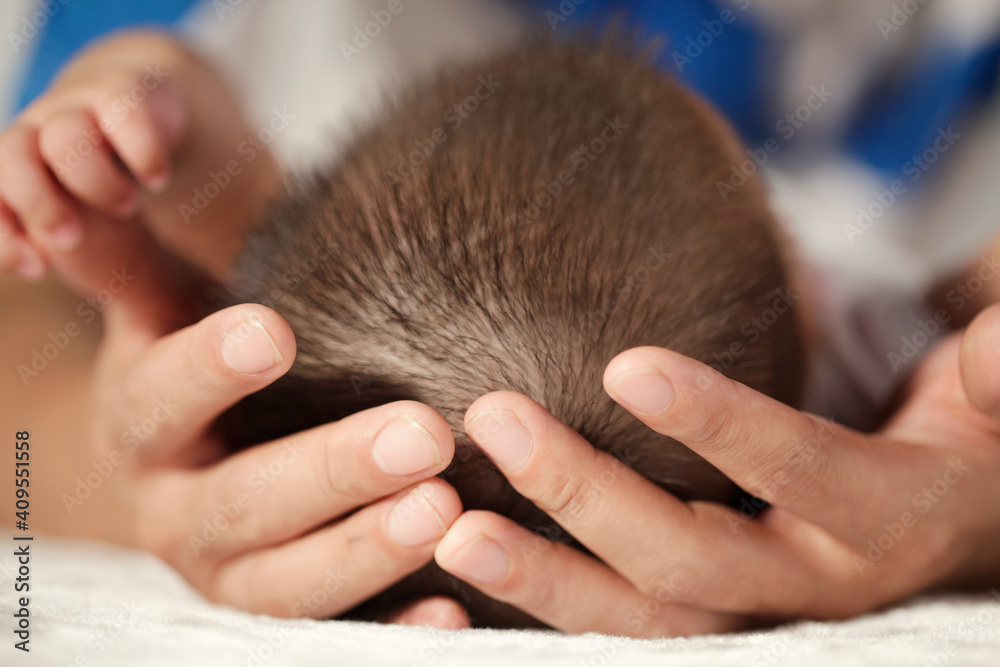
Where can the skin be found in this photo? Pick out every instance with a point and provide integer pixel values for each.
(672, 569)
(929, 475)
(119, 209)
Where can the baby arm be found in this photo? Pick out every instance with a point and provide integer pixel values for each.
(132, 126)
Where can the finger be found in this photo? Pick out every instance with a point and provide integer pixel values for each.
(332, 570)
(193, 375)
(143, 125)
(793, 460)
(543, 578)
(89, 251)
(16, 254)
(980, 361)
(289, 487)
(722, 558)
(43, 208)
(78, 154)
(434, 612)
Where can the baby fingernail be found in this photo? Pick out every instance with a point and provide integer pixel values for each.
(127, 206)
(157, 181)
(66, 234)
(502, 436)
(31, 266)
(647, 392)
(248, 348)
(481, 560)
(405, 447)
(414, 521)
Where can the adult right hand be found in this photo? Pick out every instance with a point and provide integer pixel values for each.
(308, 525)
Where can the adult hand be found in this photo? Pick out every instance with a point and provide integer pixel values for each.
(856, 521)
(309, 525)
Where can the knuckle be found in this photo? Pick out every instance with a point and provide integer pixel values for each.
(329, 477)
(716, 427)
(566, 496)
(61, 135)
(802, 470)
(14, 154)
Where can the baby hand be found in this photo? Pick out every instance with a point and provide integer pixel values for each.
(81, 153)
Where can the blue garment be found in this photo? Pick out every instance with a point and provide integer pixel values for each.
(713, 46)
(723, 56)
(71, 24)
(897, 118)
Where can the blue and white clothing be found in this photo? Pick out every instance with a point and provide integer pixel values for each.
(884, 113)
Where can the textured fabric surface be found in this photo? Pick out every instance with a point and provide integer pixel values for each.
(100, 605)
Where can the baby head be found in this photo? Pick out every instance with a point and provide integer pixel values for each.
(513, 225)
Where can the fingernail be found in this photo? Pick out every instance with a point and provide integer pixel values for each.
(481, 560)
(405, 447)
(157, 182)
(66, 234)
(127, 205)
(502, 436)
(31, 266)
(647, 392)
(248, 348)
(414, 521)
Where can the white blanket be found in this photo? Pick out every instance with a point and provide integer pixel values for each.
(98, 605)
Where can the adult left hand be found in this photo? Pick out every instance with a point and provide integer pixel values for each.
(856, 520)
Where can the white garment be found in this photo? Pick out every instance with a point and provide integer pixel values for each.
(108, 607)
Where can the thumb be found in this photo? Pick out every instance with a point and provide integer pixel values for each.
(980, 361)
